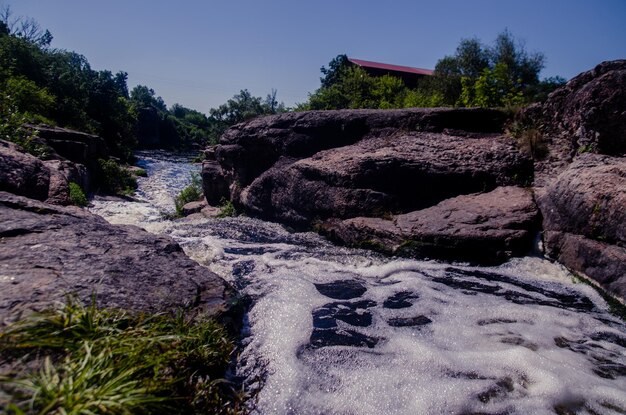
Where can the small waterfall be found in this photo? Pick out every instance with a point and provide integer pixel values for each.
(333, 330)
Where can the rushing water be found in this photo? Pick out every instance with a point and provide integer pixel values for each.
(342, 331)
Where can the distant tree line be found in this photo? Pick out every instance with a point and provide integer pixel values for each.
(476, 75)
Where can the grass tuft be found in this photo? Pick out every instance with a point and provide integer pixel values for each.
(77, 196)
(227, 209)
(87, 360)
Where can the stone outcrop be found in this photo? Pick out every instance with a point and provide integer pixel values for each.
(581, 184)
(72, 145)
(247, 150)
(341, 171)
(584, 211)
(485, 228)
(586, 115)
(383, 175)
(26, 175)
(48, 252)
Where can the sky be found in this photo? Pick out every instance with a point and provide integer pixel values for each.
(201, 53)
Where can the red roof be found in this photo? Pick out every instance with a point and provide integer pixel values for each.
(387, 67)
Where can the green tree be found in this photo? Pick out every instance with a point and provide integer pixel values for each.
(143, 97)
(335, 71)
(501, 74)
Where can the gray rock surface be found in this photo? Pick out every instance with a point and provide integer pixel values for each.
(47, 252)
(72, 145)
(384, 175)
(588, 114)
(485, 228)
(26, 175)
(248, 149)
(584, 218)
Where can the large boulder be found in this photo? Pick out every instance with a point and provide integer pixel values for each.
(383, 175)
(298, 167)
(76, 146)
(588, 114)
(26, 175)
(485, 228)
(584, 211)
(48, 252)
(249, 149)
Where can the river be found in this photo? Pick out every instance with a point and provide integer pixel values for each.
(334, 330)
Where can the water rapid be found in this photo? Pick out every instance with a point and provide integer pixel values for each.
(341, 331)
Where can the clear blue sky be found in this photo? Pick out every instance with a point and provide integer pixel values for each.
(200, 53)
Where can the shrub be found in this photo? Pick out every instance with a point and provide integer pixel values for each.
(190, 193)
(115, 179)
(140, 172)
(227, 209)
(80, 359)
(77, 196)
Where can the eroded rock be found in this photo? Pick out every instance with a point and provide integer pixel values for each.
(48, 252)
(485, 227)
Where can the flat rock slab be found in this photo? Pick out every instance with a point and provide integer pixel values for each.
(485, 228)
(48, 252)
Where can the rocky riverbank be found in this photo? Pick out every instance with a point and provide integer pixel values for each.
(446, 183)
(49, 250)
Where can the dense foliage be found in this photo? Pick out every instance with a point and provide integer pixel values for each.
(500, 75)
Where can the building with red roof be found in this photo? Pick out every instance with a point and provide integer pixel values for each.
(408, 74)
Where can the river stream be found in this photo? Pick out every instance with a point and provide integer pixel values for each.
(334, 330)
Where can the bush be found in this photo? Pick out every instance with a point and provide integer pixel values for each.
(115, 179)
(80, 359)
(190, 193)
(227, 209)
(77, 196)
(140, 172)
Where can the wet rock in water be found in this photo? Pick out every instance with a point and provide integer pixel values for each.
(353, 313)
(48, 252)
(519, 341)
(194, 207)
(409, 321)
(243, 268)
(400, 300)
(501, 388)
(340, 337)
(495, 321)
(342, 289)
(524, 293)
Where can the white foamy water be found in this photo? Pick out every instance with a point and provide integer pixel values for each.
(340, 331)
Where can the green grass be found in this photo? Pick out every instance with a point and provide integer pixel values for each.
(616, 307)
(190, 193)
(87, 360)
(77, 196)
(140, 172)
